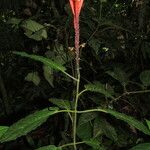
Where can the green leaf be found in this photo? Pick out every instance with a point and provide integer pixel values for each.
(38, 35)
(31, 25)
(48, 74)
(148, 123)
(97, 129)
(44, 60)
(119, 75)
(84, 131)
(84, 128)
(98, 87)
(43, 34)
(145, 77)
(105, 127)
(14, 21)
(95, 144)
(50, 147)
(64, 104)
(27, 124)
(130, 120)
(3, 129)
(86, 117)
(143, 146)
(33, 77)
(34, 30)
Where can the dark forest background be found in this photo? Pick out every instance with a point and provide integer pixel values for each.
(115, 51)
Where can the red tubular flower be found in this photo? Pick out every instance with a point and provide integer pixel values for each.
(76, 6)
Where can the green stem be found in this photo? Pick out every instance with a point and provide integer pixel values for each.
(71, 144)
(82, 92)
(70, 76)
(83, 111)
(70, 117)
(75, 109)
(138, 92)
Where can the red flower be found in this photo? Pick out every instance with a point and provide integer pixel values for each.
(76, 7)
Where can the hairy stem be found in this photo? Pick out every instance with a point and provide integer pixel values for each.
(76, 26)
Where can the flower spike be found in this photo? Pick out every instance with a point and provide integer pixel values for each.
(76, 6)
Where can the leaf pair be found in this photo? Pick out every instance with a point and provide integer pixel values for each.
(31, 122)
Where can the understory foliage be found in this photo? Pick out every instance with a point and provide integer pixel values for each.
(38, 82)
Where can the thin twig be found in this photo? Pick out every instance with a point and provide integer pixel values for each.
(130, 93)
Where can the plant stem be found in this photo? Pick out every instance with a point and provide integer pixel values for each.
(130, 93)
(76, 26)
(75, 111)
(82, 92)
(71, 144)
(83, 111)
(70, 76)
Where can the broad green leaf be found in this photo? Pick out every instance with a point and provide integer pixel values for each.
(130, 120)
(38, 35)
(86, 117)
(98, 87)
(44, 60)
(48, 74)
(44, 34)
(50, 147)
(97, 129)
(84, 128)
(84, 131)
(3, 129)
(33, 77)
(145, 77)
(106, 128)
(27, 124)
(32, 25)
(143, 146)
(119, 75)
(64, 104)
(148, 123)
(14, 21)
(95, 144)
(34, 30)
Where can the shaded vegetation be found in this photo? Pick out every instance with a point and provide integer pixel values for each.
(114, 106)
